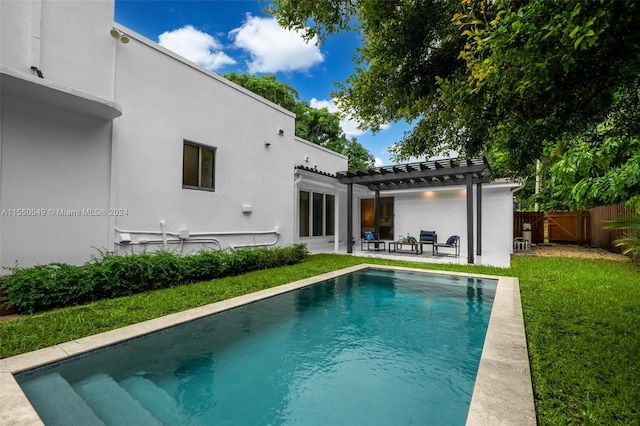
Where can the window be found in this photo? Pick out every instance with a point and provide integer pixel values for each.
(331, 209)
(304, 213)
(198, 167)
(316, 214)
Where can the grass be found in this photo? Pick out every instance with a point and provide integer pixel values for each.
(582, 319)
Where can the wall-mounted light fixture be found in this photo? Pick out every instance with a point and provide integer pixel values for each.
(267, 144)
(38, 71)
(280, 132)
(119, 35)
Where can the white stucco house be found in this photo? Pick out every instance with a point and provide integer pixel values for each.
(109, 141)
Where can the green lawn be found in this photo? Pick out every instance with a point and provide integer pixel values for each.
(582, 319)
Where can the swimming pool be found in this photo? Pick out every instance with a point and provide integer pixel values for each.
(343, 383)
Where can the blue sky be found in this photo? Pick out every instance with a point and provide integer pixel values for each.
(236, 35)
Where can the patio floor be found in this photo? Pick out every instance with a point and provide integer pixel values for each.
(501, 260)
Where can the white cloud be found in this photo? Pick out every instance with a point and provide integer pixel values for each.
(379, 162)
(273, 49)
(196, 46)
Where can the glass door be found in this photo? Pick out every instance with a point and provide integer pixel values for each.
(368, 217)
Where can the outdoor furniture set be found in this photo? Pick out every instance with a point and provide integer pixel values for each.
(372, 241)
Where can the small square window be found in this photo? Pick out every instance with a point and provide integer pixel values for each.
(198, 167)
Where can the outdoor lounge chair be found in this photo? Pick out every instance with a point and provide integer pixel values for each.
(453, 242)
(428, 237)
(369, 238)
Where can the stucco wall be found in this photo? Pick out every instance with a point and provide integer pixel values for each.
(444, 210)
(68, 41)
(315, 156)
(167, 100)
(55, 164)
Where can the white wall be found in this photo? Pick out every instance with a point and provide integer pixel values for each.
(52, 160)
(314, 156)
(440, 211)
(167, 100)
(497, 218)
(68, 41)
(444, 210)
(322, 160)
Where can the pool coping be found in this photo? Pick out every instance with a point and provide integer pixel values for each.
(502, 395)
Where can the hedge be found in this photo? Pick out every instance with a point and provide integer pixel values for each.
(55, 285)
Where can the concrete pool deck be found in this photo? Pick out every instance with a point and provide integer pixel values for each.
(502, 394)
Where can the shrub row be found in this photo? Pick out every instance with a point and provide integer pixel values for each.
(57, 284)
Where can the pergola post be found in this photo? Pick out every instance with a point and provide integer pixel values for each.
(349, 218)
(469, 179)
(377, 215)
(336, 223)
(479, 220)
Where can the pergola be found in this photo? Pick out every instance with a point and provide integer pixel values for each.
(427, 174)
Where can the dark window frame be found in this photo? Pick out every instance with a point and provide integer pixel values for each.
(200, 148)
(315, 216)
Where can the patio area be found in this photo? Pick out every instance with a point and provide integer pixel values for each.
(501, 260)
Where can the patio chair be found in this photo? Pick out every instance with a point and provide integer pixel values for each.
(369, 238)
(427, 237)
(453, 242)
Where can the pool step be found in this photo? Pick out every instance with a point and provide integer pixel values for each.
(54, 398)
(112, 403)
(157, 401)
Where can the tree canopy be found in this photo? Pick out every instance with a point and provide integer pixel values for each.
(512, 79)
(317, 125)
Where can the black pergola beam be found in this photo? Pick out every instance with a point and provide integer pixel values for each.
(440, 168)
(393, 185)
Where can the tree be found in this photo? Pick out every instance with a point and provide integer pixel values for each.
(269, 88)
(507, 77)
(316, 125)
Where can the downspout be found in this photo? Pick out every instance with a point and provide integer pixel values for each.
(296, 207)
(349, 218)
(336, 223)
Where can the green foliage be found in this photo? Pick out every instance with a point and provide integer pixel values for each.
(106, 276)
(599, 166)
(56, 284)
(269, 88)
(630, 242)
(508, 78)
(205, 265)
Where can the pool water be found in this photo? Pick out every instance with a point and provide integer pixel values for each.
(374, 347)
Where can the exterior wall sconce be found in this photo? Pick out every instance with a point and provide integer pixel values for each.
(119, 35)
(247, 209)
(281, 132)
(267, 144)
(38, 71)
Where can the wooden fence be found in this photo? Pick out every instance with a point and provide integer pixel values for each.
(604, 238)
(584, 227)
(536, 219)
(569, 227)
